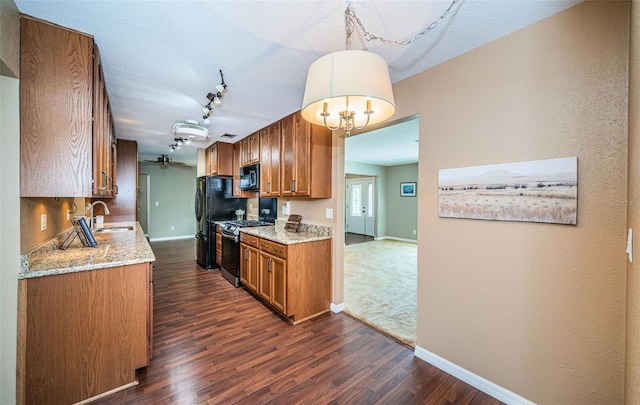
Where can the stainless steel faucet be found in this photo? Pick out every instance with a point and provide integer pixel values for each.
(90, 209)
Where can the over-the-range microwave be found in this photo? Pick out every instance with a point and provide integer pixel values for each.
(250, 177)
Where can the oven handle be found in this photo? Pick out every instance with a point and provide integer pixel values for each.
(232, 237)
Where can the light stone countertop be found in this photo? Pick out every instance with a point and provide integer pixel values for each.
(278, 234)
(113, 249)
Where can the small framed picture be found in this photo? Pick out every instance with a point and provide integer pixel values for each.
(408, 189)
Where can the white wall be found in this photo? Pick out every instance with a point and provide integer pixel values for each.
(173, 188)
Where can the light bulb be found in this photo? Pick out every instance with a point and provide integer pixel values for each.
(217, 101)
(207, 121)
(220, 88)
(187, 141)
(179, 142)
(206, 109)
(171, 149)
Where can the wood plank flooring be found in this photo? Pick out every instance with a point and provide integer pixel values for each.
(215, 344)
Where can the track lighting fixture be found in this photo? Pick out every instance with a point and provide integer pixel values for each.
(215, 98)
(178, 142)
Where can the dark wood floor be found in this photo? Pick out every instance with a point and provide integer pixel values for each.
(352, 238)
(215, 344)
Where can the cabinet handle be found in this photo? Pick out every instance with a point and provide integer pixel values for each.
(264, 245)
(110, 183)
(275, 249)
(293, 188)
(116, 186)
(104, 180)
(246, 254)
(269, 265)
(153, 285)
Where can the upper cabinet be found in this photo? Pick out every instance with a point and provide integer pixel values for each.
(250, 153)
(218, 157)
(306, 158)
(104, 139)
(62, 108)
(270, 161)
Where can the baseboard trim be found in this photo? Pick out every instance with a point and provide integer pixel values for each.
(337, 308)
(484, 385)
(171, 238)
(394, 238)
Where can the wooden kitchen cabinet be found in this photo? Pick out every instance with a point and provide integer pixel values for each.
(272, 282)
(270, 161)
(306, 159)
(237, 150)
(56, 91)
(219, 159)
(85, 333)
(66, 130)
(250, 149)
(249, 258)
(103, 135)
(294, 279)
(218, 247)
(124, 206)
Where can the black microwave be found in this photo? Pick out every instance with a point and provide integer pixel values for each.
(250, 177)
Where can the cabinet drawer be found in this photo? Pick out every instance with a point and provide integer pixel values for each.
(249, 239)
(273, 248)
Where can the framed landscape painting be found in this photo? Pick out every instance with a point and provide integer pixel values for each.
(533, 191)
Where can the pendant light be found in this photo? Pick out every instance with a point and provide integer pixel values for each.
(352, 89)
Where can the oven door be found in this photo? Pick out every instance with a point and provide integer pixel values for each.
(230, 260)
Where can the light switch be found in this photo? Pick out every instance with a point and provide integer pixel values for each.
(157, 203)
(43, 222)
(329, 213)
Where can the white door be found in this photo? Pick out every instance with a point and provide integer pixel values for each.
(360, 206)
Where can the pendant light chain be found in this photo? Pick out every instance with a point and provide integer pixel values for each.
(350, 19)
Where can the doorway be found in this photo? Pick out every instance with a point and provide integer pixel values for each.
(143, 201)
(380, 276)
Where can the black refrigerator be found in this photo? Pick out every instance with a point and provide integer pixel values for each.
(214, 201)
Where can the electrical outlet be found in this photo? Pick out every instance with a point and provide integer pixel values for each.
(414, 231)
(172, 227)
(43, 222)
(157, 203)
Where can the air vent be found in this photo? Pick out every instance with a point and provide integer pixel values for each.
(228, 135)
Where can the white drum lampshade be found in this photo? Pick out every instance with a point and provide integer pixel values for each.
(345, 81)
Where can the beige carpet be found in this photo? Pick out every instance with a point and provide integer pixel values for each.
(380, 286)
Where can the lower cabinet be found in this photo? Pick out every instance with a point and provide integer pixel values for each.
(249, 266)
(294, 279)
(272, 282)
(84, 333)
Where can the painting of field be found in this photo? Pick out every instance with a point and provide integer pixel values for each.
(534, 191)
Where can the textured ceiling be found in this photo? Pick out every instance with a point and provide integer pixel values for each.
(161, 58)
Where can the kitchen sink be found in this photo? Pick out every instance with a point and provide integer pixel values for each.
(115, 229)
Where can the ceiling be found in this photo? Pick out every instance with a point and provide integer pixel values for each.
(162, 57)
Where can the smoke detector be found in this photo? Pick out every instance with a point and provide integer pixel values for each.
(191, 130)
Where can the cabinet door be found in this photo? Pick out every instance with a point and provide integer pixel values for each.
(237, 150)
(272, 284)
(254, 148)
(279, 284)
(213, 156)
(249, 267)
(270, 161)
(264, 277)
(56, 87)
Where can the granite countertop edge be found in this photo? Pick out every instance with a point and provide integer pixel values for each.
(278, 234)
(114, 249)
